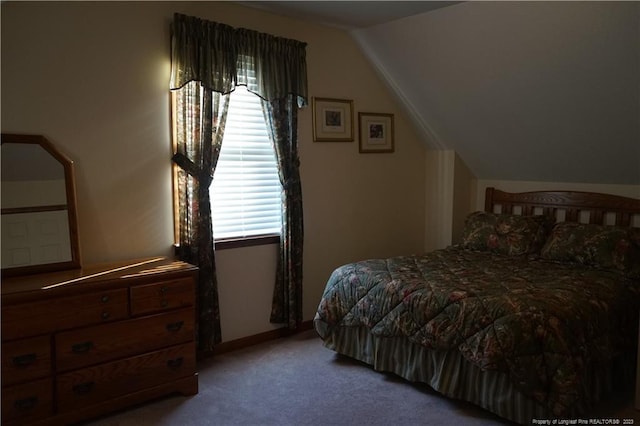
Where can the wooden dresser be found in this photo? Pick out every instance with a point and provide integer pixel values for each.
(81, 343)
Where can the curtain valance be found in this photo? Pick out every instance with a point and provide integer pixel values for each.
(221, 57)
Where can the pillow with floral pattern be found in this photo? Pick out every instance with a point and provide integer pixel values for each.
(507, 234)
(601, 246)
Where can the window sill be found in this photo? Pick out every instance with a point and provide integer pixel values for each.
(230, 243)
(258, 240)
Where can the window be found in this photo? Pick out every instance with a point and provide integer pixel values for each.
(246, 190)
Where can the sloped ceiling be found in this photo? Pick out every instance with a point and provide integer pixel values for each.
(539, 91)
(543, 91)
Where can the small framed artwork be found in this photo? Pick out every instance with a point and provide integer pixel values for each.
(332, 120)
(376, 132)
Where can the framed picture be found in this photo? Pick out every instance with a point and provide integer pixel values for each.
(332, 120)
(376, 132)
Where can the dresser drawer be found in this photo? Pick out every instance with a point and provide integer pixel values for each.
(96, 384)
(27, 402)
(92, 345)
(156, 297)
(45, 316)
(26, 359)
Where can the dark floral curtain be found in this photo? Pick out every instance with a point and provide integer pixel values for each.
(221, 57)
(281, 116)
(208, 60)
(199, 127)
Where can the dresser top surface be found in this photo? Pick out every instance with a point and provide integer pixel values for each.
(74, 279)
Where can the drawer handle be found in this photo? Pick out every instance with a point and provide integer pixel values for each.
(164, 289)
(83, 388)
(81, 348)
(26, 403)
(105, 315)
(174, 364)
(175, 326)
(24, 360)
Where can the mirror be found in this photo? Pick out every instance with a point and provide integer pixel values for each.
(39, 219)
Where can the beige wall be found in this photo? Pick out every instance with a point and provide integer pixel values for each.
(450, 196)
(439, 192)
(465, 187)
(93, 78)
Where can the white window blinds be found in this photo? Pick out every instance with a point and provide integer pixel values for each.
(246, 190)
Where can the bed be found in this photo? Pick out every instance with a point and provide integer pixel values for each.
(533, 315)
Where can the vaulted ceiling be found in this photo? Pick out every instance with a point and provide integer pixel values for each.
(542, 91)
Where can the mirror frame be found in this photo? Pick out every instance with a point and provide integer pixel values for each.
(71, 207)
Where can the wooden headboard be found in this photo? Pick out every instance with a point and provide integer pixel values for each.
(568, 206)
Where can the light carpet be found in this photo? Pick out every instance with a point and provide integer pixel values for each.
(296, 381)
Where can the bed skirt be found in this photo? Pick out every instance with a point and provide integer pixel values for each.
(450, 374)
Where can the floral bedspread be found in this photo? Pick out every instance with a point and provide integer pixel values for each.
(544, 323)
